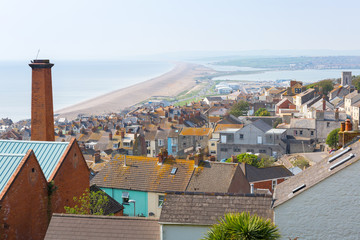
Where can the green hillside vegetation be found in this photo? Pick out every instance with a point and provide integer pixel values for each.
(324, 86)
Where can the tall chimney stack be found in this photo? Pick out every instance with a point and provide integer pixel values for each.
(42, 115)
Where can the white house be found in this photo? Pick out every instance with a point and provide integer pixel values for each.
(323, 201)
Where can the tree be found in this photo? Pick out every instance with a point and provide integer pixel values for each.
(89, 202)
(333, 138)
(240, 108)
(253, 160)
(262, 112)
(243, 226)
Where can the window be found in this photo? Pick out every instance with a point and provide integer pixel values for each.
(312, 133)
(173, 149)
(161, 142)
(148, 151)
(173, 170)
(295, 132)
(241, 136)
(212, 152)
(125, 197)
(237, 149)
(147, 143)
(259, 140)
(174, 141)
(184, 144)
(223, 149)
(262, 151)
(250, 150)
(301, 132)
(161, 200)
(201, 138)
(223, 138)
(212, 144)
(328, 124)
(273, 185)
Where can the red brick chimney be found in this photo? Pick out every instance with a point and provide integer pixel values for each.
(42, 114)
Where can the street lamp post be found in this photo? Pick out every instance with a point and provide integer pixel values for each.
(133, 201)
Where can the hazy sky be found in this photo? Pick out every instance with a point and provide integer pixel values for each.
(111, 29)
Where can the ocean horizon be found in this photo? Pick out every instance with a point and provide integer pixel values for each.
(72, 81)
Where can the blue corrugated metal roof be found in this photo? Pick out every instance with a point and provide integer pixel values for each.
(47, 153)
(8, 165)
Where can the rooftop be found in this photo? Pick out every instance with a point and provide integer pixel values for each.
(145, 174)
(87, 227)
(48, 154)
(316, 173)
(206, 209)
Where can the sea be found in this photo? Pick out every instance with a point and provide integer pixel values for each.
(77, 81)
(73, 82)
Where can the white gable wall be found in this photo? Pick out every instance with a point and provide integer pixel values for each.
(328, 210)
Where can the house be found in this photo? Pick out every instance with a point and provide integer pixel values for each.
(322, 201)
(23, 197)
(265, 178)
(71, 226)
(303, 97)
(218, 177)
(140, 183)
(193, 138)
(62, 164)
(190, 215)
(256, 137)
(350, 100)
(212, 100)
(113, 207)
(283, 105)
(212, 144)
(339, 91)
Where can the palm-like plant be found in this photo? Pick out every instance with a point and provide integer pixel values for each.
(243, 226)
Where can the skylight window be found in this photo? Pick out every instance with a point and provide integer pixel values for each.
(339, 154)
(173, 171)
(299, 188)
(342, 161)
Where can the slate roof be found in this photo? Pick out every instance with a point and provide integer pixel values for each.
(314, 175)
(48, 154)
(260, 124)
(308, 123)
(113, 206)
(352, 94)
(212, 177)
(254, 174)
(88, 227)
(145, 174)
(206, 209)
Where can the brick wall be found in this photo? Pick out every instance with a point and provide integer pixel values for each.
(267, 184)
(71, 179)
(23, 213)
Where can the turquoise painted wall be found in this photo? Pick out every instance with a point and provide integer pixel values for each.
(141, 198)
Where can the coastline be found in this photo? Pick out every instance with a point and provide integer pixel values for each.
(180, 78)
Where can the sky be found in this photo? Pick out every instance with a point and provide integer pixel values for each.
(117, 29)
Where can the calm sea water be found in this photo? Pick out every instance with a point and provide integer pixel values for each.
(73, 82)
(306, 76)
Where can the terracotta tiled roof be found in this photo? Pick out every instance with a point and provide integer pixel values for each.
(195, 131)
(214, 119)
(145, 174)
(91, 227)
(206, 209)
